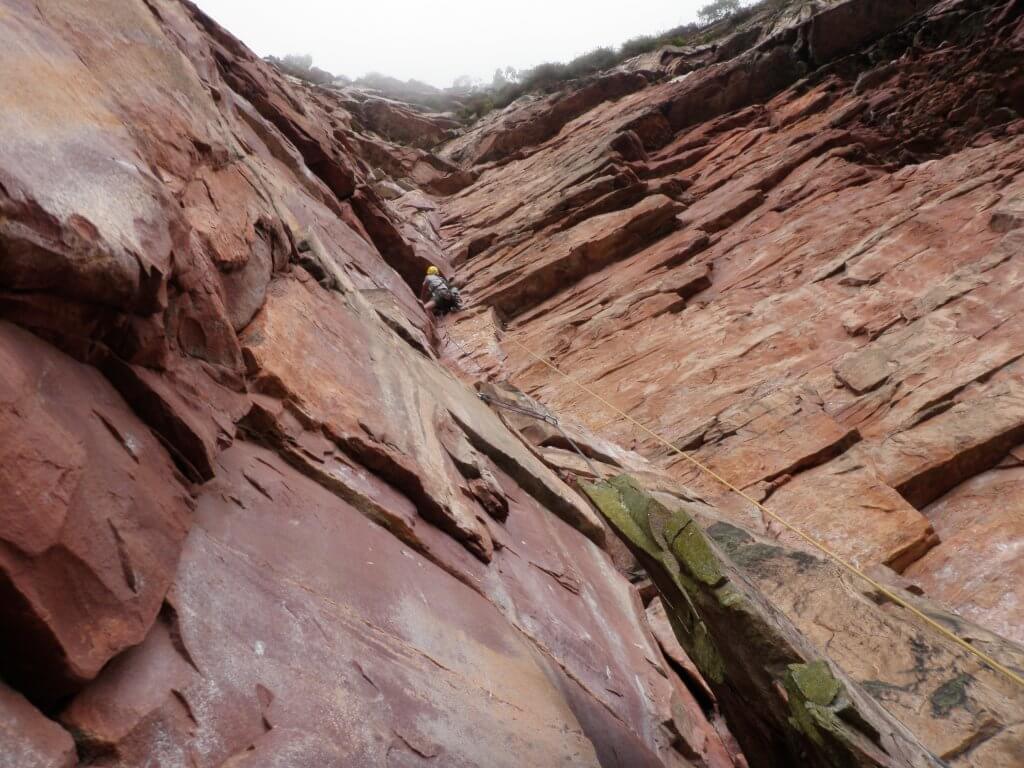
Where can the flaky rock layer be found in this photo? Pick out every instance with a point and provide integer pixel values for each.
(258, 508)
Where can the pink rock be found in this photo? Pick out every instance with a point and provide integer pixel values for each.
(976, 569)
(29, 739)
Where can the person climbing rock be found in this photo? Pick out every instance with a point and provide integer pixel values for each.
(440, 296)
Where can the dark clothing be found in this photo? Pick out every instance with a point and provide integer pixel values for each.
(444, 297)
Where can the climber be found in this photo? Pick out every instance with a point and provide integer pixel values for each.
(443, 297)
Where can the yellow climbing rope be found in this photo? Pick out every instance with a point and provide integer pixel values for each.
(824, 549)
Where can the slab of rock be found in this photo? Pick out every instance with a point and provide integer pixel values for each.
(783, 700)
(299, 627)
(970, 716)
(586, 248)
(927, 460)
(92, 519)
(58, 234)
(534, 119)
(399, 123)
(864, 519)
(30, 740)
(335, 369)
(976, 569)
(802, 435)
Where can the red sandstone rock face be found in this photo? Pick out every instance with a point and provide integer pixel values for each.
(532, 119)
(29, 739)
(93, 519)
(978, 564)
(299, 631)
(248, 516)
(848, 348)
(852, 357)
(400, 123)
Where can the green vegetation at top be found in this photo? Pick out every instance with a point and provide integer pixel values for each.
(717, 18)
(471, 100)
(717, 10)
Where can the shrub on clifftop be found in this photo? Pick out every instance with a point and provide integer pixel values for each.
(301, 66)
(717, 10)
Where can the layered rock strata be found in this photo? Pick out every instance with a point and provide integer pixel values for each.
(254, 513)
(828, 319)
(247, 517)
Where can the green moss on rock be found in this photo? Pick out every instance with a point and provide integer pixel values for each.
(608, 500)
(694, 553)
(717, 618)
(705, 655)
(729, 597)
(636, 502)
(814, 682)
(816, 706)
(729, 537)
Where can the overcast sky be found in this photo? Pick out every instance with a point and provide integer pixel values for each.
(439, 40)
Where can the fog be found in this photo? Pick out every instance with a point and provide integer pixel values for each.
(439, 40)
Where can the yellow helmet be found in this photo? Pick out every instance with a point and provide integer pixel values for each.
(433, 271)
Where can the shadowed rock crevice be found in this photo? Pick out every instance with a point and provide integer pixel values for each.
(726, 627)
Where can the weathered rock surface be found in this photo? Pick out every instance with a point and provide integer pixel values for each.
(297, 629)
(754, 619)
(93, 518)
(849, 349)
(247, 516)
(830, 323)
(399, 122)
(534, 119)
(979, 562)
(29, 739)
(254, 512)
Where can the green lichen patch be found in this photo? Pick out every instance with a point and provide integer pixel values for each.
(635, 501)
(805, 561)
(825, 720)
(755, 555)
(814, 682)
(646, 522)
(647, 512)
(729, 597)
(632, 495)
(812, 688)
(802, 720)
(744, 550)
(705, 655)
(694, 552)
(664, 521)
(608, 500)
(950, 695)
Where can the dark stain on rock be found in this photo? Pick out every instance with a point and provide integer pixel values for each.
(744, 550)
(951, 695)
